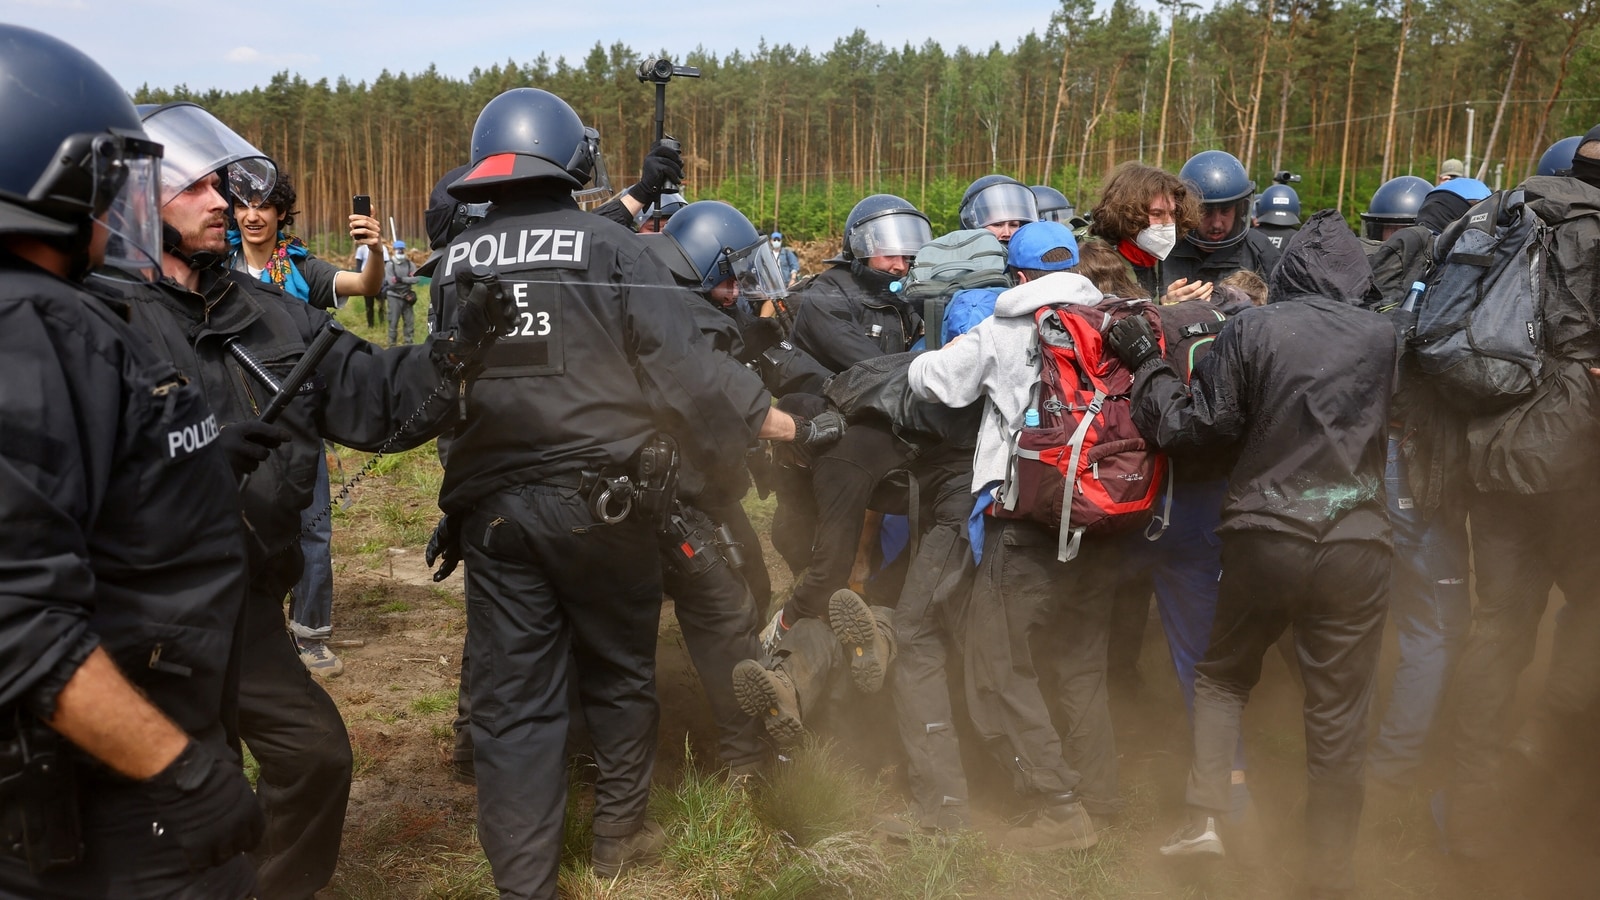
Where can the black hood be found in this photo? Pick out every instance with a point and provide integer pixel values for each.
(1323, 259)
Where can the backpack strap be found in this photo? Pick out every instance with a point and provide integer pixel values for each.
(1067, 547)
(1165, 518)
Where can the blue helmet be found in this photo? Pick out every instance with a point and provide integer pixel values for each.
(1395, 202)
(1558, 158)
(1278, 205)
(1053, 205)
(526, 134)
(719, 243)
(1219, 180)
(885, 225)
(997, 198)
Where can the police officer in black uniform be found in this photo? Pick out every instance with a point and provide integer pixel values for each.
(123, 568)
(1278, 214)
(554, 477)
(219, 326)
(1224, 242)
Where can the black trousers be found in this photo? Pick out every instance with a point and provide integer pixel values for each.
(1335, 595)
(842, 482)
(719, 621)
(927, 624)
(1037, 623)
(1522, 545)
(555, 597)
(295, 732)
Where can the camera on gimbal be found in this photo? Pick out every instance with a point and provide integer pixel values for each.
(661, 71)
(1284, 177)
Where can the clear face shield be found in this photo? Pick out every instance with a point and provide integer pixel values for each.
(755, 271)
(1060, 214)
(197, 144)
(134, 218)
(588, 159)
(898, 233)
(1003, 203)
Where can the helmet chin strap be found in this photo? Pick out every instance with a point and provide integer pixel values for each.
(172, 241)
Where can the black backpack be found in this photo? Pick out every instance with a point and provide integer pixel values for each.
(1479, 331)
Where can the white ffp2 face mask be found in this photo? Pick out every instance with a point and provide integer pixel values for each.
(1158, 240)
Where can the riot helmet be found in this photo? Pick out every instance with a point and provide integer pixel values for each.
(1053, 206)
(1278, 205)
(1224, 189)
(719, 243)
(993, 199)
(1558, 159)
(657, 213)
(198, 144)
(524, 135)
(1394, 203)
(885, 225)
(72, 151)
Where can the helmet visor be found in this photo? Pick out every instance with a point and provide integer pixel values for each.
(899, 233)
(1060, 214)
(1003, 203)
(1222, 224)
(756, 270)
(588, 164)
(134, 220)
(197, 144)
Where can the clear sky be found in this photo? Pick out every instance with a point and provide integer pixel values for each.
(164, 43)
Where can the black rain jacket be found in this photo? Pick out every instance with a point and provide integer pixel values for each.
(1303, 384)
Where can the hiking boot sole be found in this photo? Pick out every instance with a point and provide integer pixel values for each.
(857, 629)
(760, 695)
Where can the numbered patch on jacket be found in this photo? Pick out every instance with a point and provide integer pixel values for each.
(533, 346)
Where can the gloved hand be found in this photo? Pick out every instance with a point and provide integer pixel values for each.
(1133, 341)
(758, 337)
(444, 546)
(206, 807)
(819, 433)
(248, 442)
(485, 308)
(663, 164)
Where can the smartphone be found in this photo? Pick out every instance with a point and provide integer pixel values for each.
(361, 205)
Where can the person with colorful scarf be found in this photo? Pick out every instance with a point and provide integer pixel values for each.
(264, 246)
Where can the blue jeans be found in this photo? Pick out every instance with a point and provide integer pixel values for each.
(311, 606)
(1432, 612)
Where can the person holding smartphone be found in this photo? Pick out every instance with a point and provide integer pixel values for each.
(263, 245)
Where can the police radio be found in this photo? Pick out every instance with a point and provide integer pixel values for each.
(656, 477)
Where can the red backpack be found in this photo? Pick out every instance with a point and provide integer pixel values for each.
(1084, 468)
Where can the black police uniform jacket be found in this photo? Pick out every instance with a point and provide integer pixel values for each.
(359, 396)
(119, 520)
(1255, 253)
(844, 319)
(1303, 385)
(602, 354)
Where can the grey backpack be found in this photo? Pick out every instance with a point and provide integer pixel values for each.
(1479, 332)
(973, 258)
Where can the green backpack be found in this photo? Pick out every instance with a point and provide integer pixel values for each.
(957, 261)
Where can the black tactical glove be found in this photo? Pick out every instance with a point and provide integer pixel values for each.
(662, 165)
(445, 547)
(248, 442)
(1133, 341)
(819, 433)
(485, 308)
(758, 337)
(206, 806)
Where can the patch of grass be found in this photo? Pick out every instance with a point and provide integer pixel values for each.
(252, 769)
(713, 832)
(436, 702)
(395, 606)
(815, 795)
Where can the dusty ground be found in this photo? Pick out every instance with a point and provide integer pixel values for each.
(409, 832)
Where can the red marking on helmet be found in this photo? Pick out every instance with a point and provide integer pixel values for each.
(499, 164)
